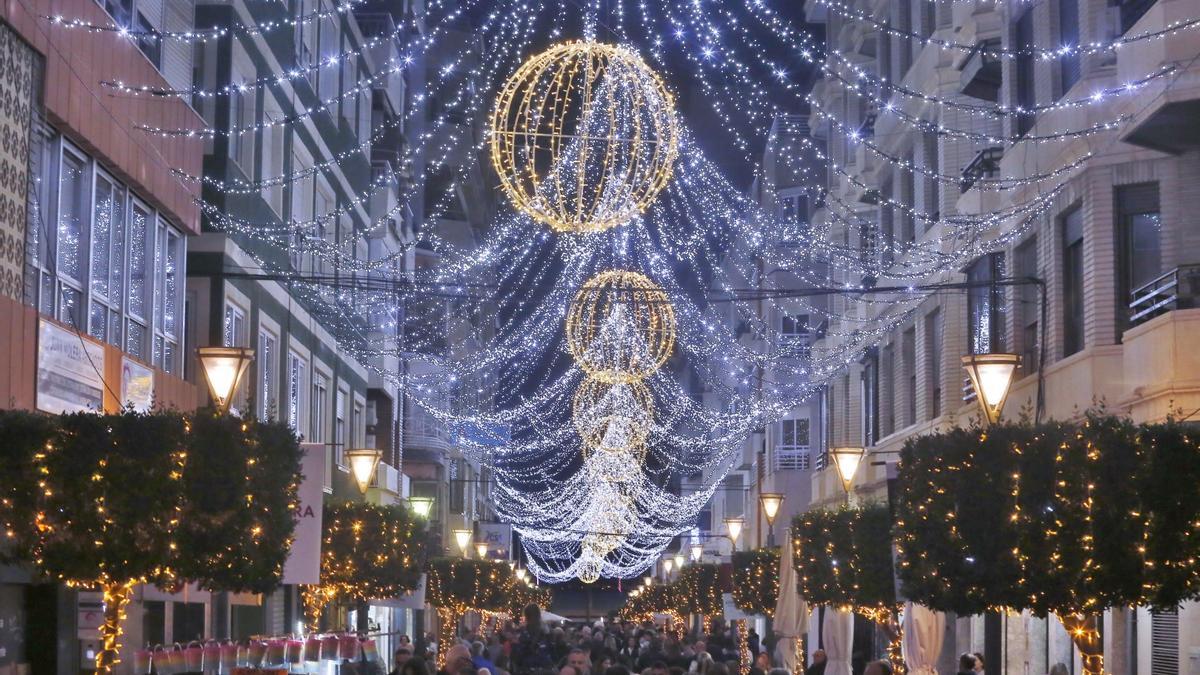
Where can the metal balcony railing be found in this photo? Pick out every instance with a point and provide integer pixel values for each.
(792, 458)
(985, 165)
(1177, 289)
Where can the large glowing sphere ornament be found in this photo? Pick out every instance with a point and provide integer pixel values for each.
(584, 136)
(620, 327)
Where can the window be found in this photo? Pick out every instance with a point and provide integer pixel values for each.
(869, 398)
(126, 15)
(242, 113)
(234, 331)
(1069, 64)
(795, 333)
(339, 424)
(1164, 642)
(320, 392)
(887, 391)
(306, 37)
(1028, 300)
(267, 356)
(934, 334)
(168, 259)
(111, 266)
(1139, 243)
(908, 358)
(358, 425)
(1130, 11)
(302, 200)
(792, 208)
(323, 210)
(793, 450)
(931, 186)
(271, 168)
(908, 216)
(1023, 71)
(735, 495)
(297, 388)
(985, 305)
(108, 260)
(1072, 290)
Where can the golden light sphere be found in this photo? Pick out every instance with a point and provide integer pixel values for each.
(584, 136)
(612, 417)
(620, 327)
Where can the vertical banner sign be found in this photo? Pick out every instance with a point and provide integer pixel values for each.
(68, 371)
(303, 565)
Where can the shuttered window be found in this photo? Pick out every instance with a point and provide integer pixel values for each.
(1164, 643)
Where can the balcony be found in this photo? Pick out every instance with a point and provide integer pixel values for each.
(1177, 289)
(981, 72)
(792, 458)
(985, 165)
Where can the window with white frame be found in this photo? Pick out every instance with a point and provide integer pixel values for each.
(271, 167)
(323, 206)
(794, 332)
(339, 425)
(268, 348)
(235, 333)
(110, 266)
(735, 495)
(297, 389)
(358, 425)
(319, 407)
(302, 200)
(793, 450)
(242, 111)
(306, 37)
(141, 19)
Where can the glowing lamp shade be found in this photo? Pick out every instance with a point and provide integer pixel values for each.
(223, 370)
(771, 501)
(463, 539)
(734, 526)
(421, 506)
(647, 581)
(678, 561)
(847, 460)
(697, 552)
(481, 548)
(363, 462)
(520, 572)
(991, 378)
(668, 565)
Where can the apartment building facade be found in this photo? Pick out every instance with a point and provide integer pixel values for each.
(1102, 315)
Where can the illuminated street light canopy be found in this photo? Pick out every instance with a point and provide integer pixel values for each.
(771, 502)
(991, 378)
(363, 462)
(847, 460)
(224, 368)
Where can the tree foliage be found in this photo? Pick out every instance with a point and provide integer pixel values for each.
(844, 557)
(756, 580)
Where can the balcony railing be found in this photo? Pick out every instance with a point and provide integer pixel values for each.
(982, 73)
(1177, 289)
(792, 458)
(985, 165)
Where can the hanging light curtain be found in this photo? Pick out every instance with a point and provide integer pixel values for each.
(838, 633)
(790, 612)
(924, 630)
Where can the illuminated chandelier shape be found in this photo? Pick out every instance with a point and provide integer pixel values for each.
(621, 327)
(584, 136)
(612, 417)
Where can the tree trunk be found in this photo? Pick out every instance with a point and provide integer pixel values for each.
(1084, 630)
(116, 597)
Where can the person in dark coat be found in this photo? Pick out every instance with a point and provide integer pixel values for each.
(818, 663)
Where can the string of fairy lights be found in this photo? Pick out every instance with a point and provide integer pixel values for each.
(601, 174)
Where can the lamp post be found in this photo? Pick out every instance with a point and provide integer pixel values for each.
(697, 552)
(991, 378)
(363, 462)
(847, 460)
(771, 501)
(734, 527)
(668, 565)
(463, 539)
(224, 368)
(679, 561)
(481, 549)
(520, 572)
(421, 506)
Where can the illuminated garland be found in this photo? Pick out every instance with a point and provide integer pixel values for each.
(462, 584)
(698, 590)
(844, 557)
(756, 581)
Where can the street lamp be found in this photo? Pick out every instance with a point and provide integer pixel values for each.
(991, 378)
(734, 527)
(668, 565)
(363, 462)
(697, 552)
(771, 501)
(481, 548)
(223, 370)
(520, 572)
(648, 581)
(847, 460)
(679, 561)
(421, 506)
(463, 539)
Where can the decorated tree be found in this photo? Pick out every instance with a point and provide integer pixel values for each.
(843, 558)
(23, 435)
(646, 601)
(1054, 518)
(698, 590)
(367, 551)
(756, 580)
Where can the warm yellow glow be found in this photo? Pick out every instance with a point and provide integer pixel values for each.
(846, 460)
(223, 369)
(620, 327)
(734, 527)
(679, 561)
(668, 565)
(421, 506)
(363, 462)
(520, 572)
(697, 552)
(648, 581)
(584, 136)
(463, 539)
(481, 549)
(771, 502)
(991, 377)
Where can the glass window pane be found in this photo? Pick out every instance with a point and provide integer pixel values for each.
(102, 227)
(70, 217)
(135, 340)
(138, 233)
(170, 283)
(70, 306)
(98, 321)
